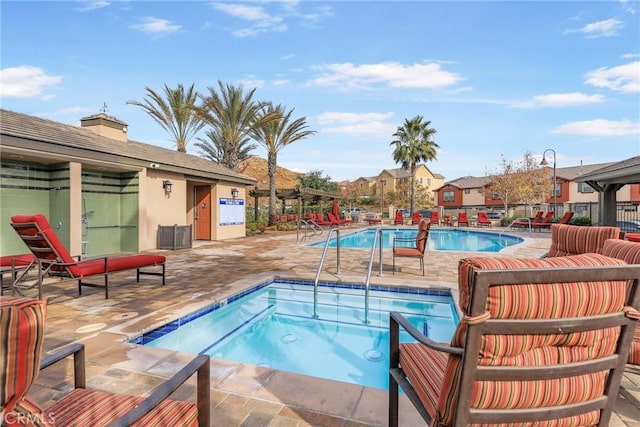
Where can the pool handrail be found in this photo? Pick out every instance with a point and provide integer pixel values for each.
(367, 278)
(324, 255)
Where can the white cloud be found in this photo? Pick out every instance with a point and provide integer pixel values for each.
(156, 26)
(357, 123)
(261, 21)
(600, 127)
(25, 81)
(93, 5)
(391, 74)
(560, 100)
(623, 78)
(630, 55)
(606, 28)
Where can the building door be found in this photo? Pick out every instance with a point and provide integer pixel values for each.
(202, 211)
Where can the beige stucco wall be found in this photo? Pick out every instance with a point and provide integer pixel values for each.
(475, 197)
(75, 208)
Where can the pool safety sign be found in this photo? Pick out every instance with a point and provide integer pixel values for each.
(231, 211)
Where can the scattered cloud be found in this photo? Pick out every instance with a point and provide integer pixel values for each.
(600, 127)
(156, 26)
(607, 28)
(630, 55)
(25, 82)
(392, 74)
(251, 83)
(261, 21)
(69, 115)
(560, 100)
(623, 78)
(356, 123)
(93, 5)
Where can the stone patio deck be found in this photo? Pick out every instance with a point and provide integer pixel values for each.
(241, 395)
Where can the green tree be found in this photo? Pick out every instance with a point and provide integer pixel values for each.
(232, 115)
(413, 144)
(215, 148)
(274, 135)
(174, 112)
(316, 181)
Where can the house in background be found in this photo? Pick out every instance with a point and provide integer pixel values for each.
(103, 193)
(394, 179)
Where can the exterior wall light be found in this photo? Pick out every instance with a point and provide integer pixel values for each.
(234, 193)
(166, 184)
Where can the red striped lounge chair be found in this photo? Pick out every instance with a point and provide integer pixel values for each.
(53, 258)
(22, 324)
(515, 355)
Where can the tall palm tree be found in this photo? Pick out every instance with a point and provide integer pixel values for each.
(274, 135)
(232, 114)
(174, 112)
(413, 145)
(215, 148)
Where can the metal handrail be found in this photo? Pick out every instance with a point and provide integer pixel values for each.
(369, 268)
(513, 222)
(324, 255)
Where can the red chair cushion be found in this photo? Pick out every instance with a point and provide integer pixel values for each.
(23, 259)
(574, 240)
(118, 263)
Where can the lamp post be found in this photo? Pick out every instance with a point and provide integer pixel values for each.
(545, 163)
(383, 182)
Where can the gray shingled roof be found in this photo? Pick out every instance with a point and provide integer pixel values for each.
(572, 172)
(470, 182)
(60, 135)
(626, 171)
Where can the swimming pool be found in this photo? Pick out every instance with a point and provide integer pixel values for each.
(272, 325)
(439, 239)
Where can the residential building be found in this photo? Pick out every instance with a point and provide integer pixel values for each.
(394, 179)
(104, 193)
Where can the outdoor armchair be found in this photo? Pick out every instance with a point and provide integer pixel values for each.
(541, 341)
(22, 323)
(417, 251)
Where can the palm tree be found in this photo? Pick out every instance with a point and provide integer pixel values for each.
(215, 148)
(232, 116)
(413, 145)
(175, 112)
(274, 135)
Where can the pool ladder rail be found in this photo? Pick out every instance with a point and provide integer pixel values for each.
(510, 226)
(367, 279)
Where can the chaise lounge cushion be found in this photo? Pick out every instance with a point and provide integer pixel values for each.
(117, 263)
(574, 240)
(18, 260)
(523, 301)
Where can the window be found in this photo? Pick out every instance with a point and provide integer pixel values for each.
(495, 196)
(420, 180)
(583, 187)
(429, 182)
(448, 196)
(558, 189)
(467, 191)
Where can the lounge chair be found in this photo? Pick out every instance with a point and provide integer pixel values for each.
(483, 221)
(323, 222)
(370, 218)
(417, 251)
(17, 265)
(447, 220)
(435, 218)
(399, 219)
(338, 221)
(547, 220)
(525, 224)
(541, 342)
(54, 259)
(463, 219)
(564, 220)
(415, 218)
(22, 328)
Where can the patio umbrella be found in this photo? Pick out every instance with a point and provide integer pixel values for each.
(335, 209)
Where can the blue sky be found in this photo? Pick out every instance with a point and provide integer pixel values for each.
(494, 78)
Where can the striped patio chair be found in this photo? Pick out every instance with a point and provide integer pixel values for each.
(22, 323)
(542, 342)
(575, 240)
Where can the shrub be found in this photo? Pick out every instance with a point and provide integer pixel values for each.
(581, 220)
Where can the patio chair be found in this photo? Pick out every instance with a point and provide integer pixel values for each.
(447, 220)
(416, 251)
(463, 219)
(415, 218)
(483, 220)
(542, 342)
(525, 224)
(399, 219)
(435, 218)
(575, 240)
(370, 218)
(54, 259)
(564, 220)
(323, 222)
(22, 324)
(338, 221)
(17, 265)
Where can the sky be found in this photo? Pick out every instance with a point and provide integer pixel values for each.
(494, 78)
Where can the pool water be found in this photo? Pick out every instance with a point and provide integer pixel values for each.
(274, 327)
(439, 239)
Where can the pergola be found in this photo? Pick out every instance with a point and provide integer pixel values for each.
(302, 195)
(607, 181)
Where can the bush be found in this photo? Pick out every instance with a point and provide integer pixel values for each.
(505, 221)
(581, 220)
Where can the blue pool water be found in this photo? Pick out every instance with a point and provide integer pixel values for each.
(439, 239)
(273, 326)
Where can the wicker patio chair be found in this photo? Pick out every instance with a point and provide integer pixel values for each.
(542, 341)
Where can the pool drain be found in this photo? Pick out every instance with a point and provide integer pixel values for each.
(288, 338)
(373, 355)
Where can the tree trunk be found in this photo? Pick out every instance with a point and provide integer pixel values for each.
(412, 193)
(272, 161)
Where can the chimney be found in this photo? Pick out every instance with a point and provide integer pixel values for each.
(105, 125)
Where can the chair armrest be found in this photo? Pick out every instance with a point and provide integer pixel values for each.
(77, 350)
(403, 239)
(199, 364)
(421, 338)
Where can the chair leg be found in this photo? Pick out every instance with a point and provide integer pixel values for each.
(422, 265)
(394, 361)
(394, 265)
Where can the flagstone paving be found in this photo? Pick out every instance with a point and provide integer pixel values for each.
(242, 395)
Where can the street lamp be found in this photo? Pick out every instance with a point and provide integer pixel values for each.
(383, 182)
(545, 163)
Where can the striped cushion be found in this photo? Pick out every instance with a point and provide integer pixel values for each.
(536, 301)
(94, 408)
(575, 240)
(21, 334)
(630, 253)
